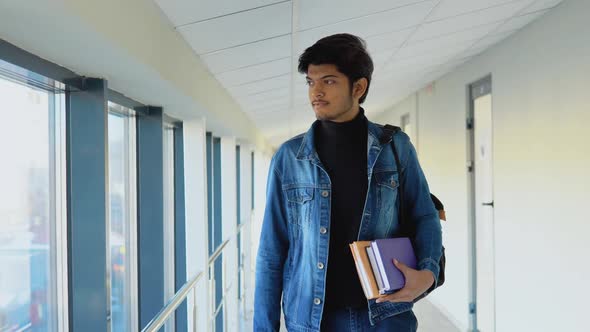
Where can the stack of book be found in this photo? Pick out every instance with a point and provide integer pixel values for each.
(374, 263)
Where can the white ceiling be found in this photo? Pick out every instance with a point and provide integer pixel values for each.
(252, 46)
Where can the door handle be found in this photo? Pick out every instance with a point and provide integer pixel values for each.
(488, 204)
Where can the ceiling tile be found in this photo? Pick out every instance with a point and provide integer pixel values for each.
(518, 22)
(541, 5)
(221, 33)
(260, 86)
(434, 47)
(269, 104)
(450, 8)
(188, 11)
(381, 58)
(466, 21)
(251, 54)
(490, 40)
(388, 22)
(456, 37)
(387, 41)
(272, 95)
(254, 73)
(316, 13)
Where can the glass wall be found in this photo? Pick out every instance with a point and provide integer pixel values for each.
(122, 227)
(33, 270)
(213, 145)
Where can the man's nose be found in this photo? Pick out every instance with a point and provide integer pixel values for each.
(317, 92)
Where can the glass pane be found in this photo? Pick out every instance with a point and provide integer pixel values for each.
(27, 206)
(217, 213)
(209, 144)
(238, 186)
(121, 219)
(169, 289)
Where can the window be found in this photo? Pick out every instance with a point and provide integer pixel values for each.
(33, 257)
(169, 220)
(252, 179)
(215, 237)
(122, 226)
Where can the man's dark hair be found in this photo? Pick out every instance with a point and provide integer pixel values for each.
(347, 52)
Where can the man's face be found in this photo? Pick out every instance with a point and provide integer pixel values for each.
(329, 93)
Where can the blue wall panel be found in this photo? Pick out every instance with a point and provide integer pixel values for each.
(86, 119)
(150, 212)
(180, 229)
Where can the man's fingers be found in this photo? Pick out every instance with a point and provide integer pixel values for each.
(401, 266)
(403, 295)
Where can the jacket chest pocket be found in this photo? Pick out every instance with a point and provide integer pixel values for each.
(299, 203)
(387, 186)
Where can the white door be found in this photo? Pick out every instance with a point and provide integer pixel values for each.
(484, 213)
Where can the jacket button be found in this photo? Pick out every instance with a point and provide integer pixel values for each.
(317, 301)
(325, 193)
(323, 230)
(393, 183)
(320, 265)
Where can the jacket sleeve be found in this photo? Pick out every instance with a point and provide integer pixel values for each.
(419, 210)
(272, 254)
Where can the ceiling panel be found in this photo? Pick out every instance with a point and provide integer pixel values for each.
(466, 21)
(271, 95)
(450, 8)
(188, 11)
(518, 22)
(432, 47)
(381, 58)
(255, 73)
(491, 40)
(541, 5)
(262, 106)
(247, 46)
(260, 86)
(251, 54)
(387, 41)
(318, 13)
(221, 33)
(372, 25)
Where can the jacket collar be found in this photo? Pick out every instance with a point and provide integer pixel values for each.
(307, 149)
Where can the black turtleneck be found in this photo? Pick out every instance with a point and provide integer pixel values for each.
(342, 148)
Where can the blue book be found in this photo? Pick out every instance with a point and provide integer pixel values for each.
(385, 251)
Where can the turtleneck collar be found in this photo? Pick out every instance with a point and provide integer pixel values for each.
(343, 131)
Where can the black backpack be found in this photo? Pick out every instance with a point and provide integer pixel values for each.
(388, 132)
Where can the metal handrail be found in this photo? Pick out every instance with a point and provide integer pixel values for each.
(171, 306)
(217, 252)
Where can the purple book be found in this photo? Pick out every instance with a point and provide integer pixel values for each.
(385, 251)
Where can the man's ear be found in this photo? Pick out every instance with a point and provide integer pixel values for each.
(359, 87)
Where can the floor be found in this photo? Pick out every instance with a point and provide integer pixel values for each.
(430, 319)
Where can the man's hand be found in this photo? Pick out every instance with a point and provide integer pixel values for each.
(417, 282)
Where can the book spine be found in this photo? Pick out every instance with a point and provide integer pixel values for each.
(375, 268)
(382, 272)
(357, 260)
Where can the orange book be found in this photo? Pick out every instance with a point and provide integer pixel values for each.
(364, 270)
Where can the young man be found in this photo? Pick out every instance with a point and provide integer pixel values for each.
(331, 186)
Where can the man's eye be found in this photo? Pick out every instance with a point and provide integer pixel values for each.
(310, 83)
(330, 82)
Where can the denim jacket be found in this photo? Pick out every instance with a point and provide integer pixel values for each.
(294, 242)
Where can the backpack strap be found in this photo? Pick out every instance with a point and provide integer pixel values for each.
(388, 132)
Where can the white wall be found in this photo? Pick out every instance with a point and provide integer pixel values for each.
(197, 252)
(229, 229)
(541, 113)
(246, 215)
